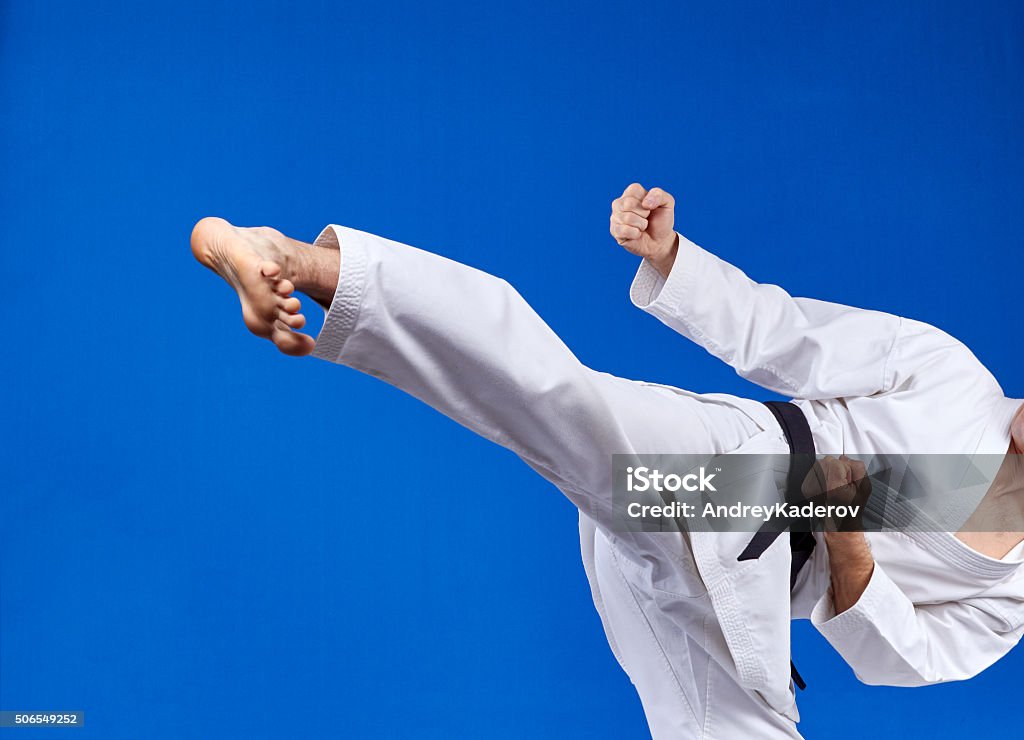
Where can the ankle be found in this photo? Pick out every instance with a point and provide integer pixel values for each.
(312, 269)
(319, 273)
(294, 259)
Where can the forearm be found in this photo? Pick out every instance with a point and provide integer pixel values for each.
(851, 565)
(800, 347)
(890, 641)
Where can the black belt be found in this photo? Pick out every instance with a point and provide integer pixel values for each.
(801, 538)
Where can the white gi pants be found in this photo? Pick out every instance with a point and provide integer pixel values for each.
(467, 344)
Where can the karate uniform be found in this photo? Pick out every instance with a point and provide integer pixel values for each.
(705, 637)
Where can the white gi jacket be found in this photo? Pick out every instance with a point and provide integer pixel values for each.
(935, 610)
(467, 344)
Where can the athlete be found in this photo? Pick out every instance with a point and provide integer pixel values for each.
(702, 634)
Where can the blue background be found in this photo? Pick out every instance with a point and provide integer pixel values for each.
(185, 544)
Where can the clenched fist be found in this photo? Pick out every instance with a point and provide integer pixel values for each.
(642, 222)
(842, 482)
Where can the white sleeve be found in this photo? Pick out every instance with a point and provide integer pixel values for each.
(800, 347)
(889, 641)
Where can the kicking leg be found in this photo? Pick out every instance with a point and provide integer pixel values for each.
(467, 344)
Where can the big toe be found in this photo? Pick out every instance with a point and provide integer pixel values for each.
(291, 342)
(256, 323)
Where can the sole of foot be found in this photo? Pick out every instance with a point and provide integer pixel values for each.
(252, 262)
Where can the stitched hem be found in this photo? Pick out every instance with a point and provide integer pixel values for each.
(858, 616)
(653, 635)
(646, 285)
(726, 604)
(344, 310)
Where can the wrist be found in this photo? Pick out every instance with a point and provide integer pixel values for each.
(665, 257)
(848, 548)
(851, 565)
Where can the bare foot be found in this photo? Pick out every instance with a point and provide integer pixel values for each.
(254, 262)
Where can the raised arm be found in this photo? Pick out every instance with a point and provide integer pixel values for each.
(796, 346)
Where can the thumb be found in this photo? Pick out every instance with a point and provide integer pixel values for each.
(658, 198)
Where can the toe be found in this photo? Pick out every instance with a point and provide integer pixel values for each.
(291, 305)
(284, 287)
(255, 323)
(270, 269)
(292, 321)
(292, 343)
